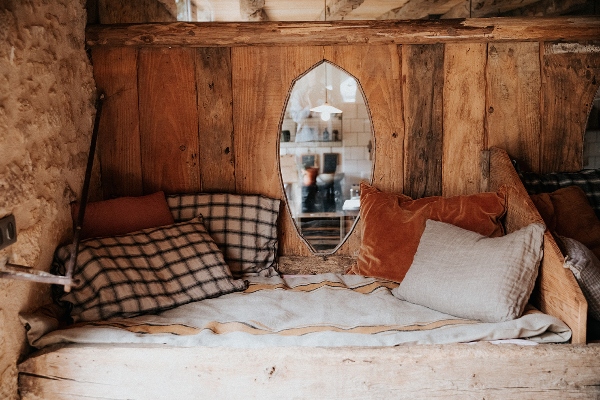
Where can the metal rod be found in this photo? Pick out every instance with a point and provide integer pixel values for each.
(24, 273)
(84, 193)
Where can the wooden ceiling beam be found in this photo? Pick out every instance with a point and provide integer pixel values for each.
(516, 8)
(483, 8)
(253, 10)
(218, 34)
(336, 10)
(420, 9)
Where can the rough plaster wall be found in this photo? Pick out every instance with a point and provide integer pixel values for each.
(46, 114)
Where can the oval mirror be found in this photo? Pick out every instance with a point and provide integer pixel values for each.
(326, 149)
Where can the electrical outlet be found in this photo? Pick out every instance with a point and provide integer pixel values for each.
(8, 231)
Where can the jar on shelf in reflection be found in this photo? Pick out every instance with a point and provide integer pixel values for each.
(355, 191)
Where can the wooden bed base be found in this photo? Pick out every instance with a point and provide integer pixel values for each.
(462, 371)
(480, 370)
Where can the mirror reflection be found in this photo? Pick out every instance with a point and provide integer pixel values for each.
(326, 147)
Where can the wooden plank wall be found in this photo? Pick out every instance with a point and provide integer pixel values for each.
(184, 119)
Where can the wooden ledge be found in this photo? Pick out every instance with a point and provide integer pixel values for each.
(225, 34)
(453, 371)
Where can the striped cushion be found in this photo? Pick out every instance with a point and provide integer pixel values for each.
(146, 271)
(243, 226)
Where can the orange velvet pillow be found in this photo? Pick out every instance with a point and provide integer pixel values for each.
(567, 212)
(392, 225)
(123, 215)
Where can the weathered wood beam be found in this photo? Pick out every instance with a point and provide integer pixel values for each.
(371, 9)
(215, 34)
(336, 10)
(253, 10)
(461, 10)
(422, 9)
(550, 8)
(450, 371)
(487, 8)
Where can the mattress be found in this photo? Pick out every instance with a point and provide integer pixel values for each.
(330, 310)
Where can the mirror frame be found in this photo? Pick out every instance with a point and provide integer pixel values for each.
(282, 187)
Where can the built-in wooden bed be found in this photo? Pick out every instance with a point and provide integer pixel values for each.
(418, 371)
(217, 89)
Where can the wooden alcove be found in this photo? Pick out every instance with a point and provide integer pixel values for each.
(196, 107)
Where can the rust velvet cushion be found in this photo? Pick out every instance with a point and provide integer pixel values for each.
(392, 225)
(567, 212)
(123, 215)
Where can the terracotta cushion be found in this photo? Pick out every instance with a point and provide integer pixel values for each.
(392, 225)
(567, 212)
(123, 215)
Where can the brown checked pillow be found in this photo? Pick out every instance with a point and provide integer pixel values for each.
(392, 225)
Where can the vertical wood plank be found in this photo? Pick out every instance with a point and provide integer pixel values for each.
(464, 114)
(262, 78)
(570, 76)
(168, 120)
(115, 73)
(215, 117)
(423, 85)
(381, 83)
(513, 100)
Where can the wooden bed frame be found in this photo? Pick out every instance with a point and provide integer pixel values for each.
(480, 370)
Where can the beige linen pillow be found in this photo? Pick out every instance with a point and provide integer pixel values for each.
(463, 273)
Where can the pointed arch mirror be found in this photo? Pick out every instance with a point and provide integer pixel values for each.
(326, 150)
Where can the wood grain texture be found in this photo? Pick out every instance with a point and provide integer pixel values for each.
(451, 371)
(136, 11)
(426, 9)
(513, 100)
(423, 84)
(217, 34)
(381, 84)
(115, 73)
(168, 120)
(464, 114)
(570, 79)
(557, 292)
(215, 117)
(262, 77)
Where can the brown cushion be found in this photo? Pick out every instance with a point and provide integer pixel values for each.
(567, 212)
(392, 225)
(123, 215)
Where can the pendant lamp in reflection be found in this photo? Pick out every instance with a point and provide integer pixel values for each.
(326, 109)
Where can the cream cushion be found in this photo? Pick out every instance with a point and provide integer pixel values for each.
(468, 275)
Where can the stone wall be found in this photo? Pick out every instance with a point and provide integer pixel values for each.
(46, 114)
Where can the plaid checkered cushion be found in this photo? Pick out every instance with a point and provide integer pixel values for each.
(243, 226)
(588, 180)
(146, 271)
